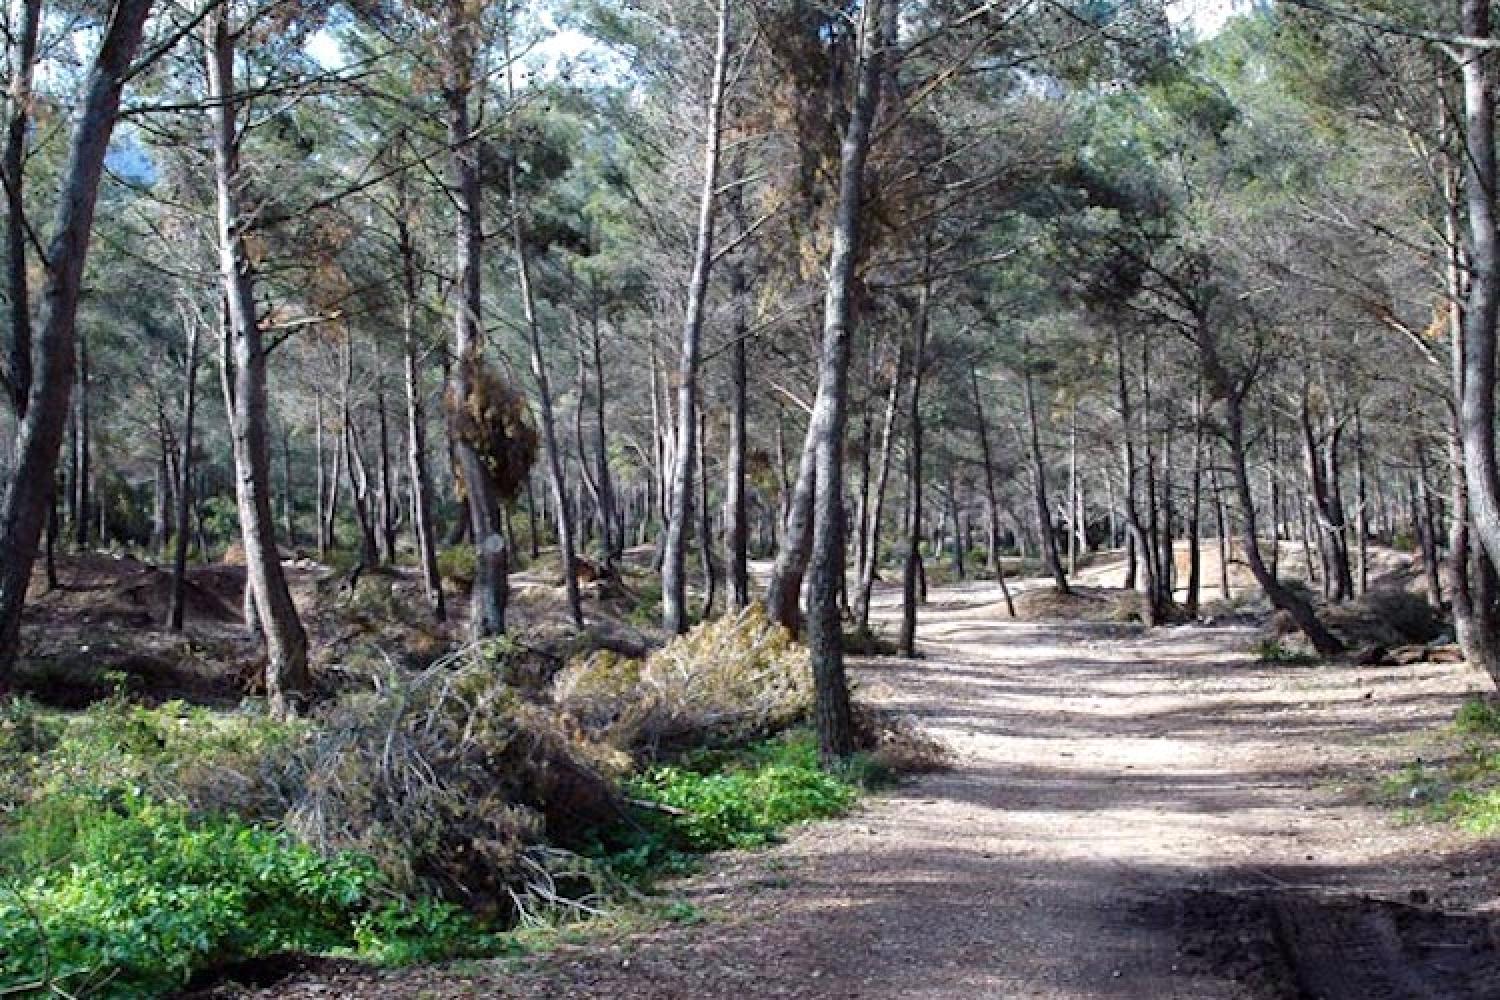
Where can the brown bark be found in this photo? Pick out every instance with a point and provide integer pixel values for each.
(287, 679)
(827, 426)
(416, 420)
(490, 590)
(22, 59)
(674, 548)
(177, 605)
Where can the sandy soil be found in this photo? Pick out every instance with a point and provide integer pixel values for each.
(1103, 777)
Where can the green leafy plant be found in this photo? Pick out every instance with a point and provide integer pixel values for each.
(1273, 650)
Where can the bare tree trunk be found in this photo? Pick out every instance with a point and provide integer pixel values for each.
(1195, 511)
(1042, 506)
(287, 679)
(827, 426)
(877, 500)
(1073, 526)
(1477, 410)
(674, 549)
(1140, 545)
(83, 506)
(992, 506)
(25, 26)
(784, 591)
(490, 590)
(359, 479)
(612, 527)
(1362, 512)
(389, 507)
(736, 522)
(911, 571)
(288, 488)
(416, 421)
(1226, 546)
(550, 443)
(184, 476)
(1428, 531)
(321, 485)
(705, 522)
(956, 536)
(1324, 641)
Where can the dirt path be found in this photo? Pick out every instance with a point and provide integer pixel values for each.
(1103, 776)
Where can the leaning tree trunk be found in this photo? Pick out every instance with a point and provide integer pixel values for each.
(287, 679)
(1301, 612)
(674, 548)
(825, 637)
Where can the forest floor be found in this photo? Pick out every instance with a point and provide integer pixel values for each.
(1129, 816)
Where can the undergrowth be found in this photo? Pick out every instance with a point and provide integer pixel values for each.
(139, 846)
(712, 800)
(1273, 650)
(1464, 789)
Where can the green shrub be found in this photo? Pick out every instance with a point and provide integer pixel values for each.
(742, 801)
(457, 563)
(1273, 650)
(147, 894)
(1478, 717)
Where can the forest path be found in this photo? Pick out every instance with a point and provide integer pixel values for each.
(1100, 773)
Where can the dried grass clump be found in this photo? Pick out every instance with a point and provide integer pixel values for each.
(729, 680)
(897, 742)
(494, 419)
(449, 780)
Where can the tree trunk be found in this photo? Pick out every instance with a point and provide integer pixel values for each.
(827, 426)
(1324, 641)
(1195, 511)
(321, 484)
(416, 420)
(544, 393)
(1477, 409)
(287, 679)
(911, 571)
(956, 536)
(22, 58)
(490, 590)
(674, 549)
(184, 476)
(705, 522)
(1042, 507)
(992, 506)
(390, 512)
(1140, 545)
(736, 523)
(877, 499)
(83, 475)
(611, 527)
